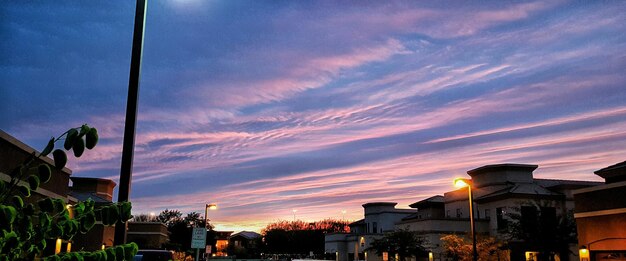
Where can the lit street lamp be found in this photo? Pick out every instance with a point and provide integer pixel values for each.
(211, 206)
(206, 212)
(459, 183)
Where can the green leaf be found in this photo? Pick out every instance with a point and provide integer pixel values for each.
(33, 182)
(44, 172)
(24, 190)
(53, 258)
(87, 222)
(7, 217)
(59, 205)
(10, 241)
(17, 201)
(44, 220)
(89, 204)
(79, 147)
(110, 254)
(130, 250)
(3, 186)
(48, 147)
(104, 216)
(114, 214)
(55, 231)
(91, 138)
(60, 158)
(42, 244)
(71, 136)
(29, 210)
(79, 209)
(125, 211)
(119, 253)
(46, 205)
(83, 130)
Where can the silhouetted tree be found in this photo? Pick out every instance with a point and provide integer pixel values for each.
(168, 217)
(299, 237)
(459, 249)
(181, 228)
(537, 226)
(404, 243)
(144, 218)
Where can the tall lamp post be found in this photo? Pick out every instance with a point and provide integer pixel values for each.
(131, 115)
(206, 212)
(460, 182)
(211, 206)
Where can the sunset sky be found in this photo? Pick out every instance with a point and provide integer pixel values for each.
(268, 106)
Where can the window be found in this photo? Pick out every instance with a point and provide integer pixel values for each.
(501, 220)
(529, 217)
(448, 213)
(375, 227)
(548, 219)
(458, 213)
(487, 213)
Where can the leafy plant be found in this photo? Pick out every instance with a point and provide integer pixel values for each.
(459, 249)
(26, 228)
(404, 243)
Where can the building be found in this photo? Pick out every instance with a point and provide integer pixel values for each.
(147, 235)
(244, 244)
(380, 217)
(498, 191)
(101, 192)
(13, 153)
(245, 239)
(600, 214)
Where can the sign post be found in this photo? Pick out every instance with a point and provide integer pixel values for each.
(198, 240)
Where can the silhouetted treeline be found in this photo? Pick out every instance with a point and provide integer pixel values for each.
(298, 237)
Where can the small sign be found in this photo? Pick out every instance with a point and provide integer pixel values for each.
(208, 249)
(198, 237)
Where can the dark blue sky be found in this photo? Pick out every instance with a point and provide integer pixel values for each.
(265, 107)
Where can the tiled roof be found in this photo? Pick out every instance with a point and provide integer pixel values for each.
(247, 234)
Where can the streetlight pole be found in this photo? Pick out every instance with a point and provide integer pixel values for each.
(294, 214)
(131, 115)
(468, 183)
(206, 213)
(206, 220)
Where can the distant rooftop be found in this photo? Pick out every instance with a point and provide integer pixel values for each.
(247, 234)
(429, 202)
(613, 173)
(374, 204)
(502, 167)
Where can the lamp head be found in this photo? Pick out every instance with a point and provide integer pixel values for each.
(211, 206)
(461, 182)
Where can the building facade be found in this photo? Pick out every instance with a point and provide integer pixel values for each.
(13, 153)
(600, 214)
(500, 192)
